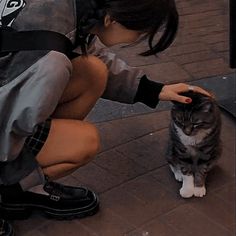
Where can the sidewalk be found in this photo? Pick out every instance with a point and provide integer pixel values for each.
(139, 195)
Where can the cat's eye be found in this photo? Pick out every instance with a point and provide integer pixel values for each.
(177, 122)
(197, 124)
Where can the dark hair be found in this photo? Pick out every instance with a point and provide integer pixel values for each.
(147, 16)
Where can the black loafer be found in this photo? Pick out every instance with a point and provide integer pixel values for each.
(62, 202)
(5, 228)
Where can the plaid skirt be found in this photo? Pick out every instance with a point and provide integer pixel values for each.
(35, 142)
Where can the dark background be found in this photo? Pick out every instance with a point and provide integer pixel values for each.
(233, 33)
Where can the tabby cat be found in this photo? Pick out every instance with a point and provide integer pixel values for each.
(194, 144)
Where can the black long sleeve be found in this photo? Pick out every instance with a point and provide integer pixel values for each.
(148, 92)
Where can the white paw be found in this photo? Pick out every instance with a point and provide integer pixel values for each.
(186, 192)
(199, 191)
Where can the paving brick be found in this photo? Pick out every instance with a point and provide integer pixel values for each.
(186, 48)
(218, 19)
(32, 233)
(195, 57)
(112, 136)
(62, 228)
(219, 211)
(191, 222)
(106, 223)
(205, 31)
(127, 129)
(221, 47)
(201, 7)
(204, 27)
(122, 203)
(165, 176)
(137, 202)
(183, 39)
(144, 153)
(70, 180)
(227, 193)
(215, 38)
(155, 228)
(24, 227)
(96, 177)
(208, 68)
(225, 56)
(228, 137)
(106, 110)
(184, 3)
(156, 145)
(218, 177)
(119, 165)
(166, 72)
(201, 16)
(233, 229)
(149, 190)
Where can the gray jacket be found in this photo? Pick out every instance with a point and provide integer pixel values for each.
(32, 82)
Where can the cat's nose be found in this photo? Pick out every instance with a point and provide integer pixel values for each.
(187, 130)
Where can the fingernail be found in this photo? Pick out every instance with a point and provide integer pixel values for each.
(188, 100)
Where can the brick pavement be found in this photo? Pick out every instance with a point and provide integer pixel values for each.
(139, 195)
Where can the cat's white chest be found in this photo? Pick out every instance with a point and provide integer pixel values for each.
(191, 140)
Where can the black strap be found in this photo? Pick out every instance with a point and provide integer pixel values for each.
(14, 41)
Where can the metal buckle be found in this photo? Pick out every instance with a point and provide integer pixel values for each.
(54, 198)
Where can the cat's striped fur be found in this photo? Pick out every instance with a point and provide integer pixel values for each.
(194, 144)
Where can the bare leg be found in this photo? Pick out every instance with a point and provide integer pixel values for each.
(72, 143)
(86, 86)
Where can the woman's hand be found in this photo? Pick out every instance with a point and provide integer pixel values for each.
(171, 92)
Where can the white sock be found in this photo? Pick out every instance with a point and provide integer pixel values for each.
(38, 189)
(34, 178)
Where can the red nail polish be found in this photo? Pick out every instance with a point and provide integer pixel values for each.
(188, 100)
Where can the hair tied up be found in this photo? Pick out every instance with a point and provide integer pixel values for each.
(89, 13)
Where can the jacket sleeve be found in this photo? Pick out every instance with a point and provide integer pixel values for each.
(126, 84)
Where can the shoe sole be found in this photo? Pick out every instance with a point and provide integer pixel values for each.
(24, 211)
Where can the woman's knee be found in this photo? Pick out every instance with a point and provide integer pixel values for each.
(91, 145)
(92, 70)
(69, 141)
(93, 139)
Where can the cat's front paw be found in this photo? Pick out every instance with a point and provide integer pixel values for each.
(186, 192)
(199, 191)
